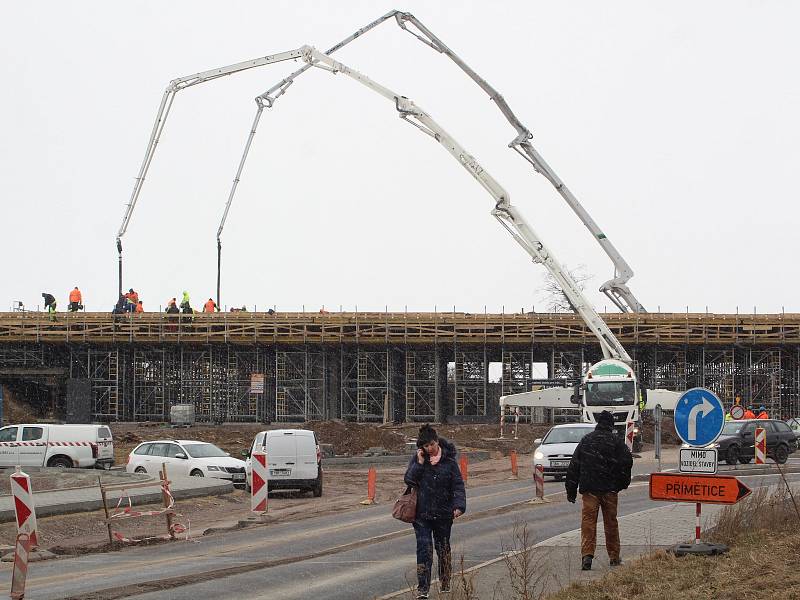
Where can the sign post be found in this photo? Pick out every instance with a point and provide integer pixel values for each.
(657, 433)
(699, 420)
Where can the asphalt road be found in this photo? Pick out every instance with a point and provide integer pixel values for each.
(357, 554)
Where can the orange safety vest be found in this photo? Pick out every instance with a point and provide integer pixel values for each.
(139, 308)
(762, 415)
(749, 414)
(75, 296)
(209, 306)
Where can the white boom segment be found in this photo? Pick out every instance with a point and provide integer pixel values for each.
(504, 211)
(173, 88)
(615, 289)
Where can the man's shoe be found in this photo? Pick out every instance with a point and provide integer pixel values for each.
(586, 563)
(422, 596)
(615, 562)
(444, 588)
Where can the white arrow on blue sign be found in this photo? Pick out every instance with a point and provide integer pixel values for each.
(699, 417)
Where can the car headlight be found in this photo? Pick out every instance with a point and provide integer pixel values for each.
(635, 430)
(213, 468)
(538, 455)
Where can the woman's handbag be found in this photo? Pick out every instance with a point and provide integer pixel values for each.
(405, 507)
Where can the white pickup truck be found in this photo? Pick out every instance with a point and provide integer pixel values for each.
(48, 445)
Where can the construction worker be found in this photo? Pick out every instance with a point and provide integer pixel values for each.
(75, 300)
(185, 301)
(728, 416)
(50, 305)
(132, 299)
(139, 307)
(172, 307)
(749, 414)
(762, 413)
(210, 306)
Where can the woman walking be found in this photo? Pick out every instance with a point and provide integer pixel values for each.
(440, 499)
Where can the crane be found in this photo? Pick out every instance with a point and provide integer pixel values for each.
(609, 384)
(175, 86)
(616, 289)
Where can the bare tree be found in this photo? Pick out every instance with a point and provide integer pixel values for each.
(552, 294)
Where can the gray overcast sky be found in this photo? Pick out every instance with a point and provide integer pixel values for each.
(676, 124)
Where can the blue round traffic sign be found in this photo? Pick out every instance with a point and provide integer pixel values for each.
(699, 417)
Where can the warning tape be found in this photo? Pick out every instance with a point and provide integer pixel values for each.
(13, 444)
(127, 512)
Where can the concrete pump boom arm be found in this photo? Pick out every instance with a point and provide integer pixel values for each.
(616, 289)
(508, 215)
(173, 88)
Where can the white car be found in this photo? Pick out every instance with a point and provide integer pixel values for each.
(186, 457)
(555, 451)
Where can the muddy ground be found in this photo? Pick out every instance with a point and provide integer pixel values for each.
(344, 489)
(347, 439)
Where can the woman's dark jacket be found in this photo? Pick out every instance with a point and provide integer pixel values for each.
(440, 488)
(601, 463)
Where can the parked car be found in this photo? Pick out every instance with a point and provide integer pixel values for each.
(294, 460)
(736, 443)
(186, 457)
(555, 450)
(51, 445)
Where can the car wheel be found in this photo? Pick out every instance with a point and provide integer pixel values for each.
(781, 454)
(317, 489)
(558, 477)
(140, 470)
(60, 461)
(745, 460)
(732, 455)
(196, 473)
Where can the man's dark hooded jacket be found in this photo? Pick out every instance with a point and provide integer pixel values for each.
(601, 462)
(440, 488)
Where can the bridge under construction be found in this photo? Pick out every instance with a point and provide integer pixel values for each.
(357, 366)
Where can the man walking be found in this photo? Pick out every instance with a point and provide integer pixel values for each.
(599, 469)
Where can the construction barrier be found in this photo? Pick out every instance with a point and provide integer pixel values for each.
(259, 487)
(629, 433)
(464, 466)
(514, 468)
(538, 479)
(372, 480)
(761, 446)
(516, 422)
(502, 420)
(24, 507)
(127, 512)
(20, 574)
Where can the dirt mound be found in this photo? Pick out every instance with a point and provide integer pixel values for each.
(18, 411)
(356, 438)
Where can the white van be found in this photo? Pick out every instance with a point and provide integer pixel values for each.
(47, 445)
(294, 459)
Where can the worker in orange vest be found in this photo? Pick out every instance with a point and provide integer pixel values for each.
(75, 300)
(762, 413)
(139, 307)
(749, 414)
(210, 306)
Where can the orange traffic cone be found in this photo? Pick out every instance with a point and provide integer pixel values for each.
(514, 468)
(462, 463)
(372, 479)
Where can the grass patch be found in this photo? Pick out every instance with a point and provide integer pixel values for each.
(763, 532)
